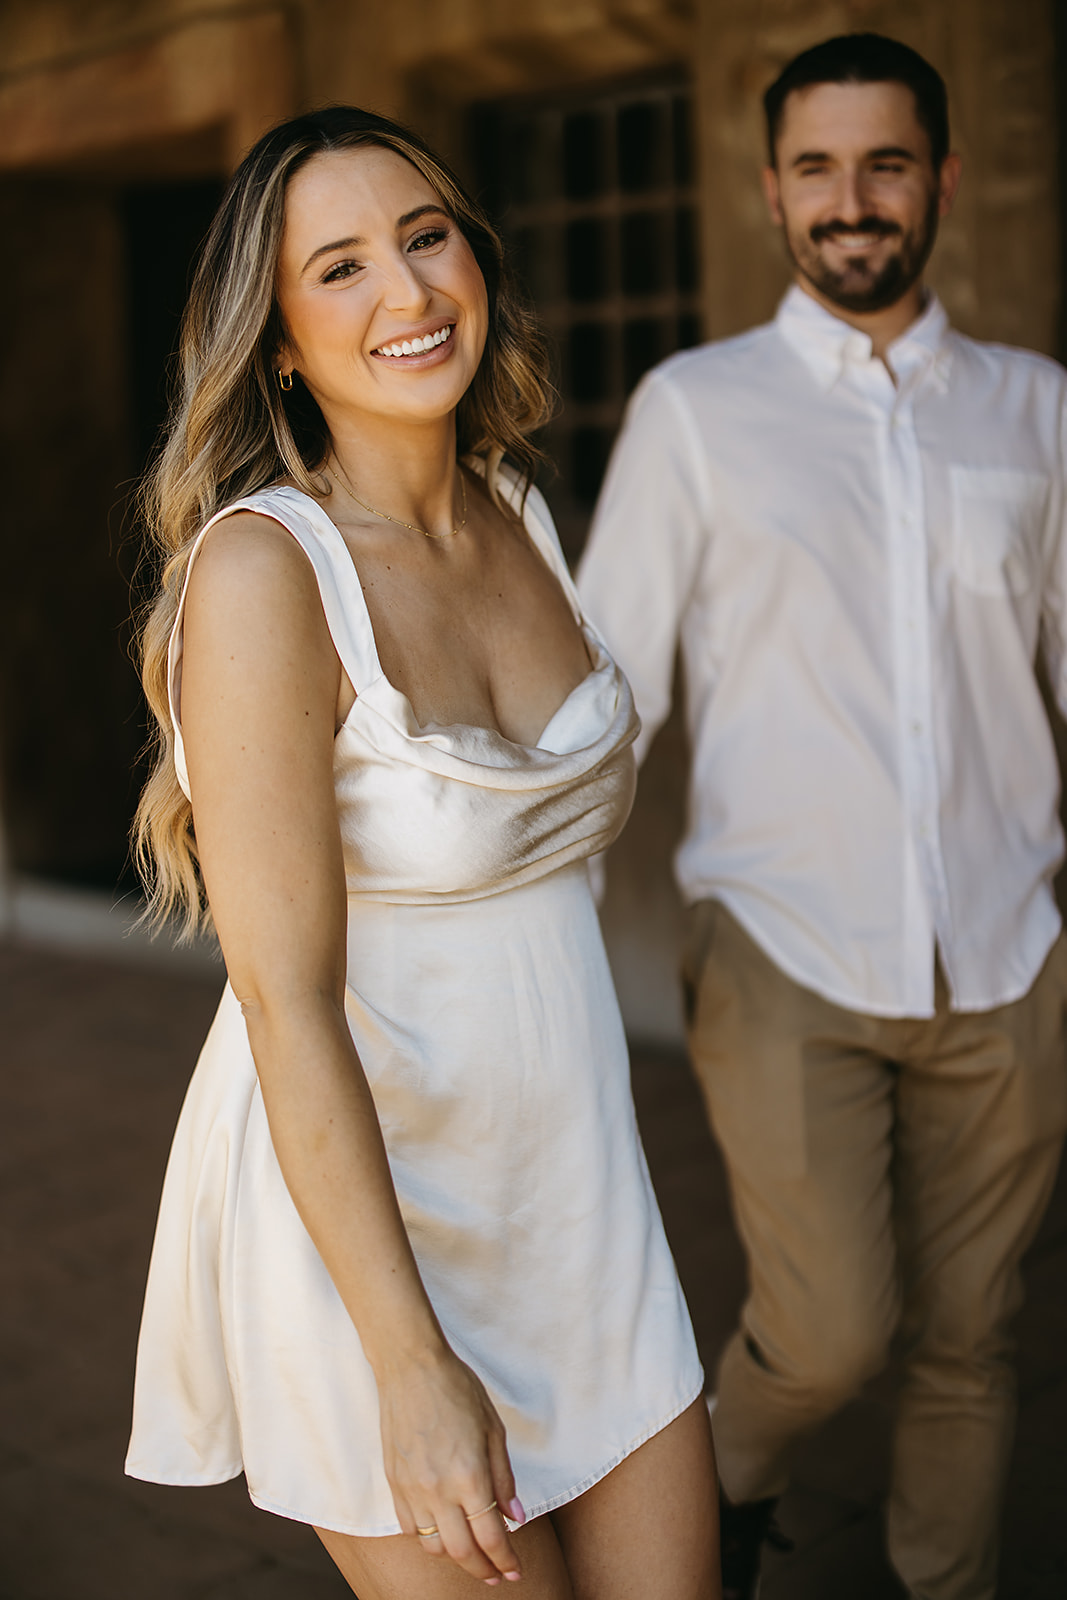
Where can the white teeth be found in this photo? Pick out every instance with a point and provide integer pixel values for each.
(415, 347)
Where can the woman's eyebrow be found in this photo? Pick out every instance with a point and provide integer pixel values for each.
(355, 240)
(420, 211)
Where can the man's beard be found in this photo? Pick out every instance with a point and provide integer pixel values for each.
(859, 288)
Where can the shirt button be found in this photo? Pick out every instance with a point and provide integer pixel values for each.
(916, 727)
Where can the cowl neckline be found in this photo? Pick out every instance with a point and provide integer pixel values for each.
(596, 719)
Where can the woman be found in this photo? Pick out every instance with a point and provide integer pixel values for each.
(409, 1276)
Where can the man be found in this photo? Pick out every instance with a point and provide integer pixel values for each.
(853, 519)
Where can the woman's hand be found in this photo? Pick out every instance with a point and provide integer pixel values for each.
(447, 1464)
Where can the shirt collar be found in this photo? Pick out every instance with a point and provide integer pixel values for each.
(827, 345)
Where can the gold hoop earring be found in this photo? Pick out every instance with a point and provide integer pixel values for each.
(285, 381)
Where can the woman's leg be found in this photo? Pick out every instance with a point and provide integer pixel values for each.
(650, 1529)
(399, 1569)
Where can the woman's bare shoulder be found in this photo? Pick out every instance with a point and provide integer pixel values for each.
(253, 595)
(249, 538)
(251, 552)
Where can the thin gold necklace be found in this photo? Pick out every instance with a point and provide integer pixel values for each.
(343, 480)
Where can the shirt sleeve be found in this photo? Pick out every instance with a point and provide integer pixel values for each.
(647, 543)
(1054, 592)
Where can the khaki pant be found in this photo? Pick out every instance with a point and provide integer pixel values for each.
(886, 1177)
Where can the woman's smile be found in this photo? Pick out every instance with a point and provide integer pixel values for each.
(404, 347)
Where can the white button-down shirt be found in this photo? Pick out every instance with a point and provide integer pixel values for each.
(860, 573)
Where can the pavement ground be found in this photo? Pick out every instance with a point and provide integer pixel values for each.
(97, 1054)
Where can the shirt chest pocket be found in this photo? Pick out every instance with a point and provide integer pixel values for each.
(997, 515)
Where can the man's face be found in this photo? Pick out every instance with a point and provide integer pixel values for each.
(856, 191)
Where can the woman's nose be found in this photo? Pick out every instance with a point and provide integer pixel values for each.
(405, 287)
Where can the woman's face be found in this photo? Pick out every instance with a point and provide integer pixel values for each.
(384, 304)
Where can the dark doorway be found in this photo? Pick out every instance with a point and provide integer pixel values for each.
(93, 275)
(163, 225)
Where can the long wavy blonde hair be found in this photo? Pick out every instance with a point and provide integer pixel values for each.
(231, 430)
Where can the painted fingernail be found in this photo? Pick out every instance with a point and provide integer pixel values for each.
(491, 1581)
(513, 1577)
(516, 1513)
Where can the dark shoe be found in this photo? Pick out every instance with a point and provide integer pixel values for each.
(743, 1531)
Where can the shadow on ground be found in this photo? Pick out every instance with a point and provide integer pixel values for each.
(97, 1057)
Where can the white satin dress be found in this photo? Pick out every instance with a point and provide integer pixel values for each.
(480, 1001)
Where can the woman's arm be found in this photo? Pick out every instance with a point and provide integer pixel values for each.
(260, 685)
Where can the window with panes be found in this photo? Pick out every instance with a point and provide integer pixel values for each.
(595, 194)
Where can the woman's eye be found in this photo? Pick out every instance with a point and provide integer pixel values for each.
(428, 237)
(340, 270)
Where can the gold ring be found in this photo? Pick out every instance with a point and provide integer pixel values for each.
(470, 1515)
(428, 1533)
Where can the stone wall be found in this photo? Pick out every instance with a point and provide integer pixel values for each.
(151, 86)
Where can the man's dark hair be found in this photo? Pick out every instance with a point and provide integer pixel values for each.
(864, 58)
